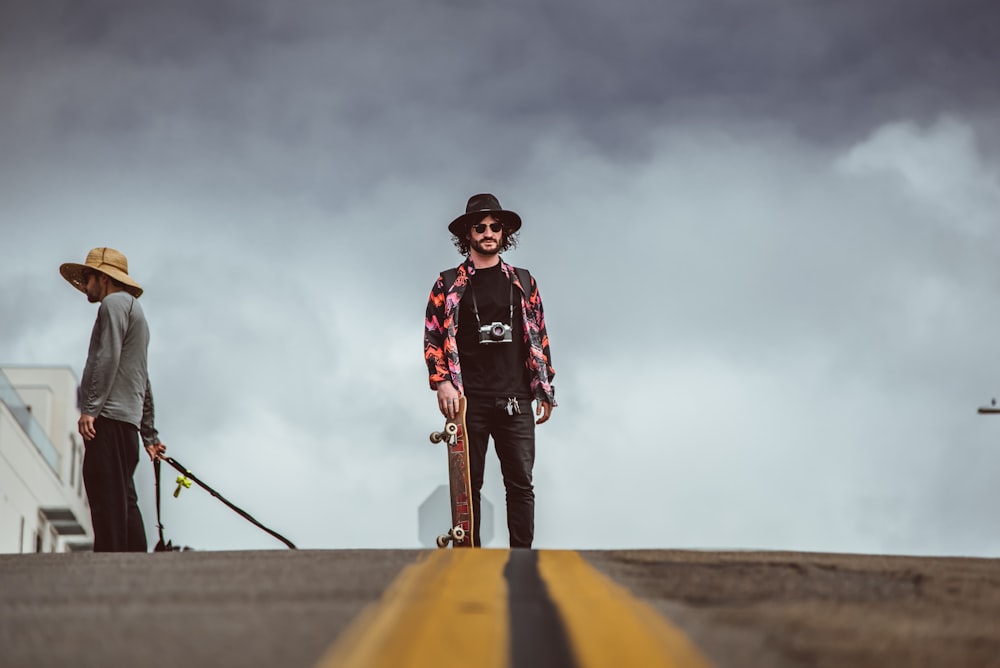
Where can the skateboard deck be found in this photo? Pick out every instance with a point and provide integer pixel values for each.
(459, 480)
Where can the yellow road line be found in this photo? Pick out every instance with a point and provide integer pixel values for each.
(606, 625)
(449, 609)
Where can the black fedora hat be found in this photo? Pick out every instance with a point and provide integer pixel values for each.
(476, 210)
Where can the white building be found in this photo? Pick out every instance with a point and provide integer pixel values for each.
(43, 506)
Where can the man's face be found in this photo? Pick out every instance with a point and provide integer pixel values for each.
(486, 235)
(92, 283)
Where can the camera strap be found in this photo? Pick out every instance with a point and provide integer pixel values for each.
(449, 275)
(475, 306)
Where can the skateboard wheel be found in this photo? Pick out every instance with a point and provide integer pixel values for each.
(451, 428)
(442, 541)
(437, 436)
(458, 533)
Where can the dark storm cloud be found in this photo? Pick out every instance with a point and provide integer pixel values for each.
(826, 68)
(402, 76)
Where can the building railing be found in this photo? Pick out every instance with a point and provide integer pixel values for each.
(22, 414)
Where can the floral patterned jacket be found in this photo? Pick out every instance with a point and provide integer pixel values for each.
(441, 332)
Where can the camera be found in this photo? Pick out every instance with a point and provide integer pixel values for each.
(495, 332)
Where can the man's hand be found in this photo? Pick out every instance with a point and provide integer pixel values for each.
(156, 451)
(86, 427)
(447, 399)
(544, 409)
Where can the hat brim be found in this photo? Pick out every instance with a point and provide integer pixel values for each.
(460, 225)
(73, 273)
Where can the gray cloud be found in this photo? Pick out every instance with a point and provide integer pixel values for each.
(399, 78)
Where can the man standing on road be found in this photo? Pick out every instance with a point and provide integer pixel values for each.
(485, 338)
(116, 403)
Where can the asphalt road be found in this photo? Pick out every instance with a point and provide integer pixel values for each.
(283, 608)
(184, 609)
(793, 609)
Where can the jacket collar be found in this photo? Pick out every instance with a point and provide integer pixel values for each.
(470, 269)
(508, 271)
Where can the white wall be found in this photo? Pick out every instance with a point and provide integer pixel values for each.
(29, 483)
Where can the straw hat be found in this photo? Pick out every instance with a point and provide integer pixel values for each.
(105, 260)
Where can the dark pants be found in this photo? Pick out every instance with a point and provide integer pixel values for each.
(109, 462)
(514, 440)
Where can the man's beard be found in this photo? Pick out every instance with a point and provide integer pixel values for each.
(478, 247)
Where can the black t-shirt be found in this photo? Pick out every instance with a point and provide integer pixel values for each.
(492, 369)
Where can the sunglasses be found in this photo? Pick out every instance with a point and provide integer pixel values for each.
(479, 228)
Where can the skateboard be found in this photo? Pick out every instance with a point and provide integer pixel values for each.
(459, 480)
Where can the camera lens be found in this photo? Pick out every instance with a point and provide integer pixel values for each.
(497, 330)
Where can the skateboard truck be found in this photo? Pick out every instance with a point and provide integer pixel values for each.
(455, 534)
(448, 435)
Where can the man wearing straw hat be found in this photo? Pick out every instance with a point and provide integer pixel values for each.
(485, 338)
(116, 403)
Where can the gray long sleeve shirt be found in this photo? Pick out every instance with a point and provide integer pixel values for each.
(115, 381)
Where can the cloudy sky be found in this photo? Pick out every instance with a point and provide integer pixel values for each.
(766, 235)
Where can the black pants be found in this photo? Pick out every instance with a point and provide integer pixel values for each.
(109, 462)
(514, 440)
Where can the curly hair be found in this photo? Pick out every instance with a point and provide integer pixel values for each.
(507, 241)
